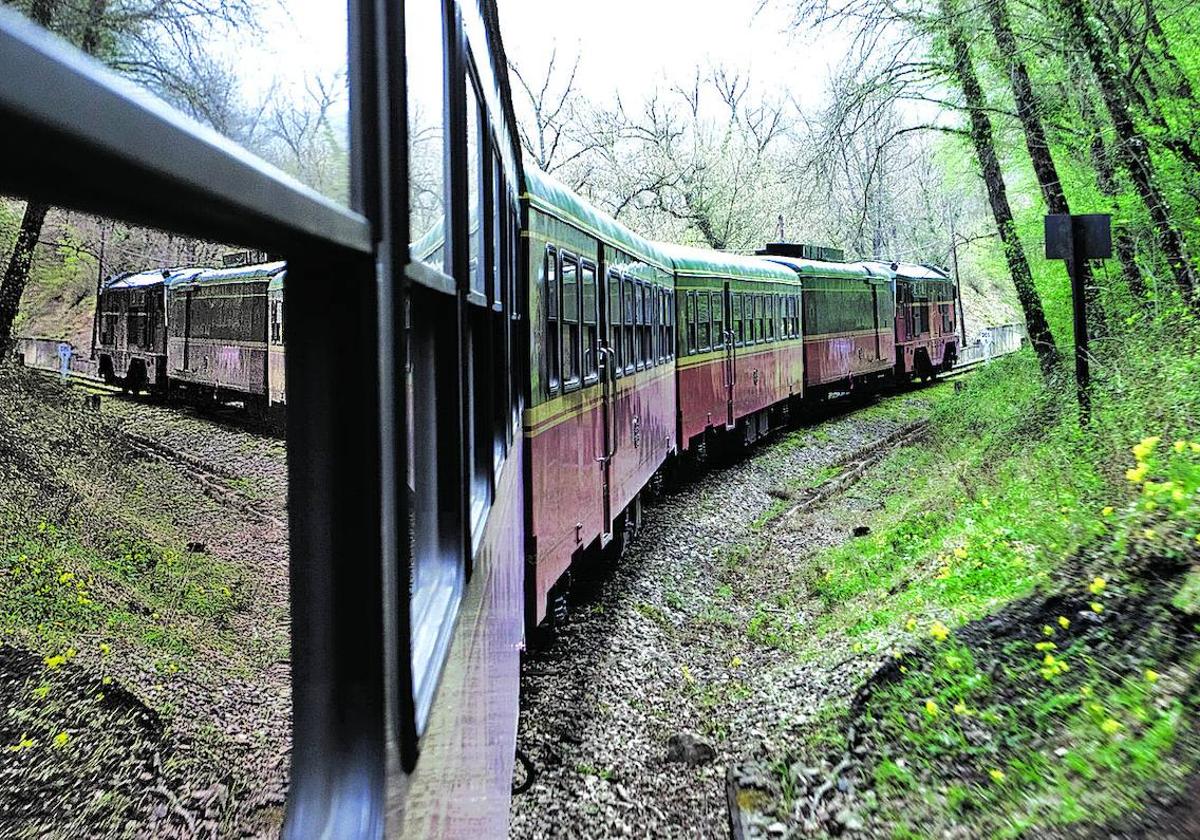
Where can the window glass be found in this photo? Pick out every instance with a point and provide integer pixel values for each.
(475, 231)
(647, 350)
(718, 320)
(614, 320)
(591, 324)
(549, 280)
(570, 321)
(630, 325)
(498, 216)
(703, 325)
(692, 340)
(425, 57)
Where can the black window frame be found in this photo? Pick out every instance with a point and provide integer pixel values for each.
(552, 304)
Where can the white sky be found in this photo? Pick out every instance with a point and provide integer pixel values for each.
(631, 47)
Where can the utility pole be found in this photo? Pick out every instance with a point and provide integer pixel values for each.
(1077, 239)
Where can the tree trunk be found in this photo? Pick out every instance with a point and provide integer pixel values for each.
(1133, 152)
(1182, 82)
(1029, 113)
(982, 137)
(13, 285)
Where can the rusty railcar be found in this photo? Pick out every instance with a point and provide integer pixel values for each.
(217, 334)
(131, 335)
(927, 338)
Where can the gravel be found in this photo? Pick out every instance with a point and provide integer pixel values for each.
(683, 642)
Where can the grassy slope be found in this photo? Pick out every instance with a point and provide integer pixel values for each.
(1010, 511)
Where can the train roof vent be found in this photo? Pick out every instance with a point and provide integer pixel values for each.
(802, 251)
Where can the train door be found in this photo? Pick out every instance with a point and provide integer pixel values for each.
(610, 310)
(730, 356)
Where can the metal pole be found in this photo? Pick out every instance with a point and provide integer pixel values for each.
(1076, 260)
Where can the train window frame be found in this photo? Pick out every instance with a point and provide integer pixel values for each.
(570, 340)
(770, 316)
(616, 314)
(628, 297)
(647, 326)
(672, 351)
(590, 355)
(551, 297)
(703, 322)
(716, 309)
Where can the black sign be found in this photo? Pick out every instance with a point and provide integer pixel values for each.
(1091, 232)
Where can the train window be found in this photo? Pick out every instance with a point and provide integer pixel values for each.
(550, 284)
(703, 322)
(718, 320)
(424, 29)
(647, 326)
(569, 268)
(664, 334)
(760, 317)
(591, 324)
(475, 200)
(277, 322)
(772, 315)
(693, 341)
(614, 321)
(736, 301)
(670, 325)
(630, 325)
(496, 207)
(947, 312)
(639, 317)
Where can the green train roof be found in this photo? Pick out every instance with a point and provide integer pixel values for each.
(819, 268)
(698, 262)
(271, 272)
(553, 198)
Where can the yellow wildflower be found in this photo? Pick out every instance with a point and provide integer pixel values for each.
(687, 675)
(1045, 646)
(960, 553)
(943, 573)
(1097, 585)
(1064, 622)
(1151, 675)
(910, 625)
(66, 577)
(105, 649)
(1097, 607)
(984, 501)
(1107, 510)
(939, 631)
(1111, 727)
(72, 653)
(60, 740)
(1136, 474)
(106, 681)
(1047, 630)
(960, 708)
(1049, 659)
(1085, 691)
(25, 743)
(1148, 533)
(931, 708)
(1180, 446)
(736, 661)
(997, 775)
(1143, 450)
(54, 661)
(1195, 447)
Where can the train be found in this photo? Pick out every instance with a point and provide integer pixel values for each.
(483, 376)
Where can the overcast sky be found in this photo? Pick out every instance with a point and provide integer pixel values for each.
(631, 46)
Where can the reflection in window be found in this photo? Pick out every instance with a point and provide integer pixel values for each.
(475, 232)
(426, 131)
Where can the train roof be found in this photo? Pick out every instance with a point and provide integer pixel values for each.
(820, 268)
(271, 272)
(551, 197)
(158, 276)
(699, 262)
(910, 271)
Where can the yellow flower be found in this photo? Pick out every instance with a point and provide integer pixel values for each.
(1111, 727)
(1049, 660)
(960, 708)
(1107, 510)
(1097, 607)
(106, 681)
(1097, 585)
(931, 708)
(939, 631)
(943, 573)
(1148, 533)
(1064, 622)
(1045, 646)
(66, 577)
(1151, 675)
(984, 501)
(60, 740)
(1143, 449)
(1195, 447)
(105, 649)
(1180, 446)
(997, 775)
(1136, 474)
(910, 625)
(960, 553)
(1047, 630)
(687, 675)
(736, 661)
(54, 661)
(1085, 691)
